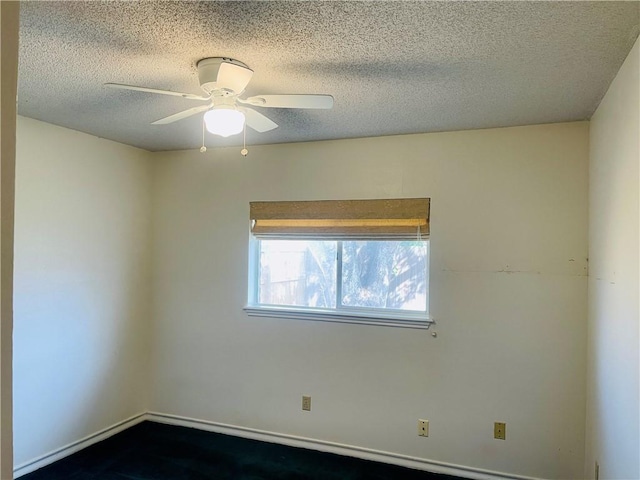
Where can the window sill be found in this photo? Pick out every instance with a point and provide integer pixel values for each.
(365, 318)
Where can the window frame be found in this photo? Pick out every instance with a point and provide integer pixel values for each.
(341, 314)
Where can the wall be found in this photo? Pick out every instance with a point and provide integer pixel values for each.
(613, 437)
(82, 289)
(9, 19)
(508, 286)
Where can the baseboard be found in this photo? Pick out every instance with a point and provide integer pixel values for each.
(78, 445)
(337, 448)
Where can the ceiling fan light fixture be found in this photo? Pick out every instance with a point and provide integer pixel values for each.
(224, 120)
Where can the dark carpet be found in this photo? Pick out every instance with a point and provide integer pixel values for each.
(153, 451)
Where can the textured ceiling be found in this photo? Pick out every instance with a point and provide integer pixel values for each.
(392, 67)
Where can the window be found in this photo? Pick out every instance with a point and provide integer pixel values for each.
(363, 261)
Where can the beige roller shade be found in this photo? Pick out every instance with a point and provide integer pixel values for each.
(405, 218)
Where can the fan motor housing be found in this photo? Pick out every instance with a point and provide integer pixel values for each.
(224, 75)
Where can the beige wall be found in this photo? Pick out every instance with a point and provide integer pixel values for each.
(613, 433)
(81, 286)
(508, 290)
(9, 16)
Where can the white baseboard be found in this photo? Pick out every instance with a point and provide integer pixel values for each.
(337, 448)
(76, 446)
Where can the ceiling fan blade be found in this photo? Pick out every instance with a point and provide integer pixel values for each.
(180, 115)
(258, 121)
(189, 96)
(290, 101)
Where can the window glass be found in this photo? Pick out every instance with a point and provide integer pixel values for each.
(385, 274)
(297, 273)
(343, 275)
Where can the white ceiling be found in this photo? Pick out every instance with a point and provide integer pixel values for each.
(392, 67)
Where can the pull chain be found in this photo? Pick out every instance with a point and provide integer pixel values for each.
(244, 152)
(203, 148)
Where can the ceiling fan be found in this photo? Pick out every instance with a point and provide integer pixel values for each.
(223, 81)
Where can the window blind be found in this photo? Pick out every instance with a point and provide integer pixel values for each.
(393, 219)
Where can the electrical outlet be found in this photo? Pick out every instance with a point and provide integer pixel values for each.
(423, 428)
(306, 403)
(597, 473)
(500, 430)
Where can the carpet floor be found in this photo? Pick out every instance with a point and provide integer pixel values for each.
(154, 451)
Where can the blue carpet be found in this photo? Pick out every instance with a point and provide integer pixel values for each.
(153, 451)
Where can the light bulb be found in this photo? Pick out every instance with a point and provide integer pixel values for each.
(224, 120)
